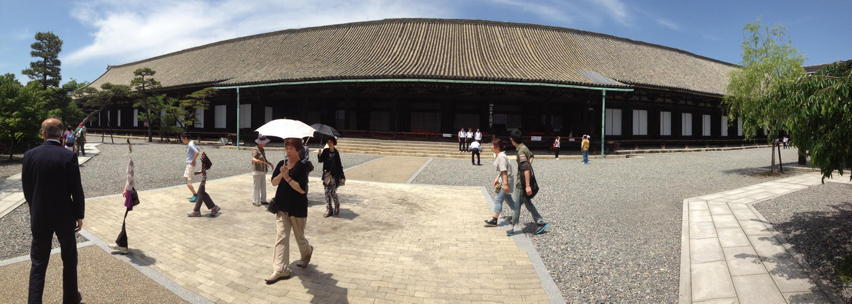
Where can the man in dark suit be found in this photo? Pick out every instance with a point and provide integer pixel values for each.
(51, 181)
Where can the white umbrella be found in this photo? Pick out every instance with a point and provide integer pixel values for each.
(286, 128)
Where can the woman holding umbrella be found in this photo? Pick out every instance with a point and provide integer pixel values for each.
(290, 204)
(332, 175)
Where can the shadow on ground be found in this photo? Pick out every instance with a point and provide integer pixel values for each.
(824, 240)
(321, 285)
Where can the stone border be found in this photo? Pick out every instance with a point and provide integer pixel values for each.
(149, 272)
(524, 243)
(53, 251)
(362, 163)
(417, 173)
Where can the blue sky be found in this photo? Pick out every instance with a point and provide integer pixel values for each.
(98, 33)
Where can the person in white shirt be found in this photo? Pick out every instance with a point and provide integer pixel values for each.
(469, 137)
(477, 136)
(462, 140)
(556, 145)
(502, 184)
(474, 151)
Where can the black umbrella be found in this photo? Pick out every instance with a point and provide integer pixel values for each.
(326, 130)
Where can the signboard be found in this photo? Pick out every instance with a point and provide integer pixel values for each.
(448, 135)
(535, 138)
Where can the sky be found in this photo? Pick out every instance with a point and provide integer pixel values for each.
(98, 33)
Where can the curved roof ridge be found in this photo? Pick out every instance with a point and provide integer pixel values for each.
(432, 20)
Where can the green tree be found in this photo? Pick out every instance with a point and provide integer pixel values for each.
(143, 83)
(768, 61)
(21, 107)
(109, 95)
(47, 68)
(819, 112)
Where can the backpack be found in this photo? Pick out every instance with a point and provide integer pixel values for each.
(206, 163)
(69, 138)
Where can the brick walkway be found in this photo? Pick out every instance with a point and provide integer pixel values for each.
(393, 243)
(731, 254)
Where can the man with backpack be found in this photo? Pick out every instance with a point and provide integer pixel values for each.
(526, 186)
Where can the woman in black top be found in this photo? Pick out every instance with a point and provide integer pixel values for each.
(332, 175)
(290, 206)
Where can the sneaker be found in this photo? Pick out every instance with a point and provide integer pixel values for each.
(542, 228)
(193, 214)
(193, 199)
(215, 211)
(304, 261)
(264, 203)
(119, 249)
(491, 222)
(256, 204)
(277, 276)
(511, 231)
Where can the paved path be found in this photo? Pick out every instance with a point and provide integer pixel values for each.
(393, 243)
(391, 169)
(731, 254)
(11, 193)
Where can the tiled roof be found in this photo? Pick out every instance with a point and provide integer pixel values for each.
(434, 49)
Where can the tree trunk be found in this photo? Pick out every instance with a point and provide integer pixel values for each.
(803, 158)
(780, 162)
(148, 121)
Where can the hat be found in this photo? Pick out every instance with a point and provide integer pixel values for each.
(262, 140)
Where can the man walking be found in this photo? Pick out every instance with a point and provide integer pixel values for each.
(191, 155)
(523, 189)
(80, 135)
(50, 176)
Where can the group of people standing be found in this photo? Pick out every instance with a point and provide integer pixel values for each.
(470, 141)
(584, 147)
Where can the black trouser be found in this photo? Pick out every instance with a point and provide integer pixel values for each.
(461, 144)
(203, 197)
(474, 152)
(467, 144)
(121, 241)
(40, 257)
(556, 152)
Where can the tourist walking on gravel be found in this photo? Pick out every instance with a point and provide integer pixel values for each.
(474, 152)
(192, 153)
(80, 135)
(130, 199)
(462, 140)
(584, 148)
(290, 207)
(332, 175)
(70, 140)
(524, 185)
(50, 177)
(203, 196)
(556, 145)
(259, 166)
(502, 183)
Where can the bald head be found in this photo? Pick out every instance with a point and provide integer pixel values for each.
(51, 128)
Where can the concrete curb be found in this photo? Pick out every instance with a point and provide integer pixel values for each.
(416, 173)
(524, 243)
(149, 272)
(685, 294)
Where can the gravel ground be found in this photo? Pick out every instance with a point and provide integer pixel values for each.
(817, 223)
(161, 165)
(15, 236)
(616, 223)
(10, 167)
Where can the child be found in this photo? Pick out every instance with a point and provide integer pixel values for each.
(202, 191)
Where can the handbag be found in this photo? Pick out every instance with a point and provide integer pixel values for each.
(533, 185)
(327, 179)
(134, 196)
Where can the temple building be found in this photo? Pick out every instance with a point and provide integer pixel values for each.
(427, 78)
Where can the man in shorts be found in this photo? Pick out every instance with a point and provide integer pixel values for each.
(191, 155)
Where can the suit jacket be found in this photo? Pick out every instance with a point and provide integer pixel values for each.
(51, 180)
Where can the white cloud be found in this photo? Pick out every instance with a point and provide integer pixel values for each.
(548, 11)
(616, 9)
(668, 24)
(126, 30)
